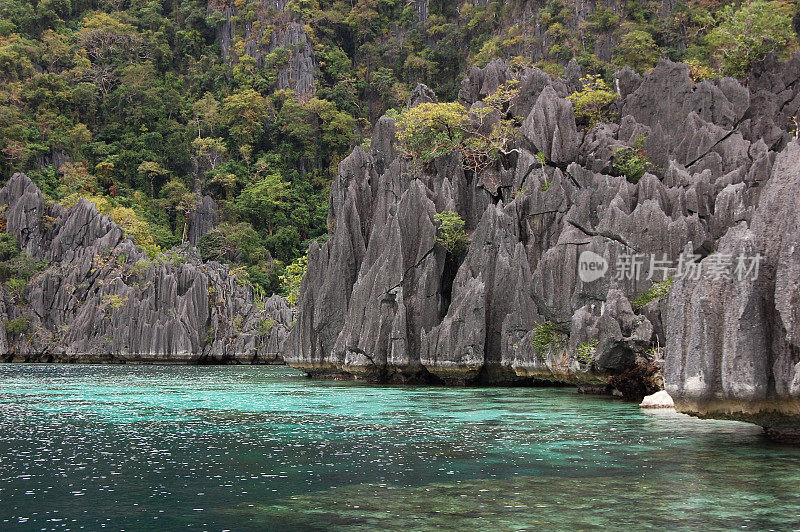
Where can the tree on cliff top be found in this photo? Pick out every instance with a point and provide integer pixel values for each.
(592, 103)
(481, 134)
(430, 130)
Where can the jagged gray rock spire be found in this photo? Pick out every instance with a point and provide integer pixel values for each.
(101, 299)
(733, 345)
(382, 300)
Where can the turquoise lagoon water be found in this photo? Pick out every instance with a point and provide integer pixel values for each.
(263, 448)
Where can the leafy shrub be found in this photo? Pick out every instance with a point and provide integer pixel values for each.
(519, 63)
(632, 161)
(489, 50)
(140, 267)
(22, 266)
(655, 352)
(551, 68)
(9, 246)
(431, 130)
(593, 102)
(482, 147)
(585, 351)
(16, 286)
(482, 135)
(240, 276)
(603, 19)
(656, 291)
(114, 301)
(546, 337)
(232, 243)
(136, 227)
(265, 277)
(170, 257)
(700, 72)
(265, 327)
(451, 234)
(745, 35)
(293, 278)
(263, 200)
(638, 50)
(17, 326)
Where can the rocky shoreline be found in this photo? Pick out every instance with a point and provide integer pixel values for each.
(724, 168)
(96, 297)
(383, 301)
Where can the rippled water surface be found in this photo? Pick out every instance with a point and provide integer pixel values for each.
(238, 448)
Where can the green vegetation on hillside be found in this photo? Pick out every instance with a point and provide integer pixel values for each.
(139, 105)
(656, 291)
(631, 161)
(17, 326)
(292, 279)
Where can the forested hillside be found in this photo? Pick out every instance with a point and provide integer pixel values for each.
(172, 116)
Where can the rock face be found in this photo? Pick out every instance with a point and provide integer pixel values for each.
(203, 219)
(274, 31)
(733, 349)
(98, 298)
(382, 300)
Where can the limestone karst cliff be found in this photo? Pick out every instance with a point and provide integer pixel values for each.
(732, 343)
(98, 298)
(382, 300)
(273, 29)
